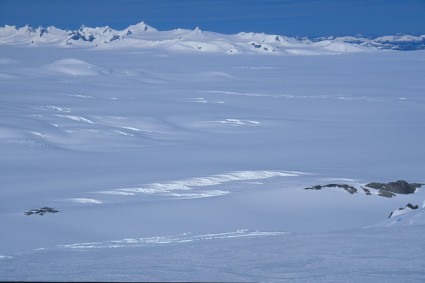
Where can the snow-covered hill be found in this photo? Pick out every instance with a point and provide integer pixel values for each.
(144, 36)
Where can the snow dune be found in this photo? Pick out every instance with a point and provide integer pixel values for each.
(74, 67)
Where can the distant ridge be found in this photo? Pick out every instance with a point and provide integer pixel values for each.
(144, 36)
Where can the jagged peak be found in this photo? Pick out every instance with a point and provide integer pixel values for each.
(107, 29)
(140, 27)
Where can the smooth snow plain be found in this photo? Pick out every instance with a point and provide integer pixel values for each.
(176, 166)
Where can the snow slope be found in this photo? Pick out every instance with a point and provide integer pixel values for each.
(381, 254)
(169, 165)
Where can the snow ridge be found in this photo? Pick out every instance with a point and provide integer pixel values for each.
(166, 240)
(185, 189)
(144, 36)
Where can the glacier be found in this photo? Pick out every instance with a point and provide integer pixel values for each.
(170, 162)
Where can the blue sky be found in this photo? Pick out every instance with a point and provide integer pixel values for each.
(285, 17)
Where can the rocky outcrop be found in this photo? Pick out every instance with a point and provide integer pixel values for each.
(398, 187)
(348, 188)
(387, 190)
(366, 191)
(41, 211)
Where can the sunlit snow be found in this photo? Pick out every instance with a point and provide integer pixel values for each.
(169, 159)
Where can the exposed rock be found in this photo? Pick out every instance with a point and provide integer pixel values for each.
(348, 188)
(366, 191)
(317, 187)
(386, 194)
(387, 190)
(41, 211)
(398, 187)
(408, 206)
(411, 206)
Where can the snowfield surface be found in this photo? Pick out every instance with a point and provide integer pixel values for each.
(184, 166)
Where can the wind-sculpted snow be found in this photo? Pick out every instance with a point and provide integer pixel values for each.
(193, 187)
(142, 36)
(288, 96)
(76, 118)
(169, 240)
(74, 67)
(349, 256)
(83, 200)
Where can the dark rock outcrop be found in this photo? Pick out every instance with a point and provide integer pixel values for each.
(387, 190)
(398, 187)
(348, 188)
(41, 211)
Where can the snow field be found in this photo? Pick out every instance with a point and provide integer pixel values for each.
(169, 153)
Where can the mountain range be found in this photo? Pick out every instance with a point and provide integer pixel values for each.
(144, 36)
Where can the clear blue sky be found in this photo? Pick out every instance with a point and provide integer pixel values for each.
(285, 17)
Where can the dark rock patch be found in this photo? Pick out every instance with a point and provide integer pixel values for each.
(398, 187)
(41, 211)
(317, 187)
(387, 190)
(411, 206)
(348, 188)
(386, 194)
(256, 45)
(367, 191)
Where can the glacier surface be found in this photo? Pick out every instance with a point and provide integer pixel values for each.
(170, 166)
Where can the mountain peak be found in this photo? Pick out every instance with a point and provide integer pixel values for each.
(140, 27)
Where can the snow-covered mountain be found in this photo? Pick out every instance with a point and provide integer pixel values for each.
(142, 35)
(392, 42)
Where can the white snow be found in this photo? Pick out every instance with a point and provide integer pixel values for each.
(75, 118)
(399, 212)
(164, 240)
(74, 67)
(161, 150)
(83, 200)
(178, 189)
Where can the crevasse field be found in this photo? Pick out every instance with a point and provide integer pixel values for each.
(169, 165)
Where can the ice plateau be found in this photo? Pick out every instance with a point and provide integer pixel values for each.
(146, 155)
